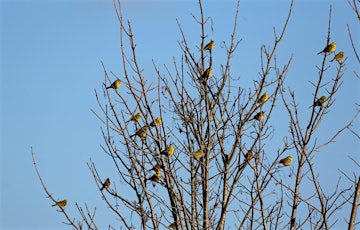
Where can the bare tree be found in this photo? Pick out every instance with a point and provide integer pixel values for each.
(355, 7)
(214, 166)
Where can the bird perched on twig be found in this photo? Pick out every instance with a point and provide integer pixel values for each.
(197, 154)
(286, 161)
(106, 184)
(206, 75)
(329, 48)
(259, 116)
(156, 168)
(320, 101)
(172, 226)
(263, 98)
(156, 177)
(248, 156)
(168, 151)
(60, 204)
(140, 132)
(156, 122)
(115, 85)
(135, 118)
(338, 57)
(210, 45)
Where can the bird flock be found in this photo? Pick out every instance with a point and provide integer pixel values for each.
(169, 150)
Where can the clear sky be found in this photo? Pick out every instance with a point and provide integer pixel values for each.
(50, 65)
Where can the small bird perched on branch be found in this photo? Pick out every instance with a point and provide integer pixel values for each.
(210, 45)
(329, 48)
(338, 57)
(248, 156)
(135, 118)
(106, 184)
(197, 154)
(60, 204)
(172, 226)
(263, 98)
(115, 85)
(286, 161)
(156, 168)
(156, 177)
(156, 122)
(168, 151)
(320, 101)
(140, 132)
(206, 75)
(259, 116)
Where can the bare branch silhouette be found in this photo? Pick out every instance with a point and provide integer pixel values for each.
(190, 147)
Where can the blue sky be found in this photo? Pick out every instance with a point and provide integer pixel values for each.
(50, 65)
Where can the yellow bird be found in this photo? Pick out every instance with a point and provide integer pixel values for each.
(329, 48)
(259, 116)
(286, 161)
(156, 177)
(156, 122)
(320, 101)
(61, 204)
(140, 132)
(263, 98)
(210, 45)
(197, 154)
(206, 74)
(115, 85)
(248, 155)
(135, 118)
(106, 184)
(168, 151)
(338, 57)
(156, 168)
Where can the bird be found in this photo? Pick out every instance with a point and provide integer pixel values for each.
(156, 168)
(263, 98)
(106, 184)
(172, 226)
(140, 132)
(206, 74)
(338, 57)
(259, 116)
(168, 151)
(286, 161)
(61, 204)
(156, 177)
(210, 45)
(320, 101)
(248, 155)
(115, 85)
(197, 154)
(156, 122)
(135, 118)
(329, 48)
